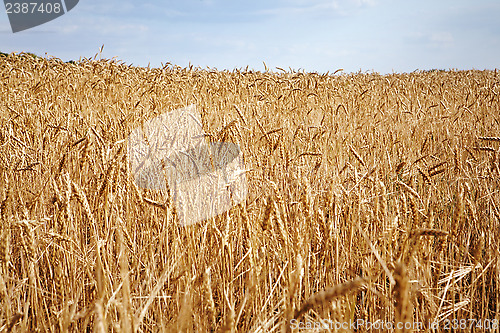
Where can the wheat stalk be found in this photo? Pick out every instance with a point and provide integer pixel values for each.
(325, 221)
(401, 296)
(329, 294)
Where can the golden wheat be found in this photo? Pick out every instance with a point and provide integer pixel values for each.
(349, 173)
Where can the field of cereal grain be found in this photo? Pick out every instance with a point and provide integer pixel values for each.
(370, 198)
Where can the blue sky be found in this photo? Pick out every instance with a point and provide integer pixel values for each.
(317, 35)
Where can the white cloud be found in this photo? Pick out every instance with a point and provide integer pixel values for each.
(443, 38)
(300, 9)
(323, 8)
(432, 39)
(70, 28)
(361, 3)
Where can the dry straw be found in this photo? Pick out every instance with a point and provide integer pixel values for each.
(402, 297)
(111, 256)
(327, 295)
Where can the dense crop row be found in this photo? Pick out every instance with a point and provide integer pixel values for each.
(372, 197)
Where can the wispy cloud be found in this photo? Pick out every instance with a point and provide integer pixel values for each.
(300, 9)
(441, 39)
(323, 7)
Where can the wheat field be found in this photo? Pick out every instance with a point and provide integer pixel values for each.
(372, 199)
